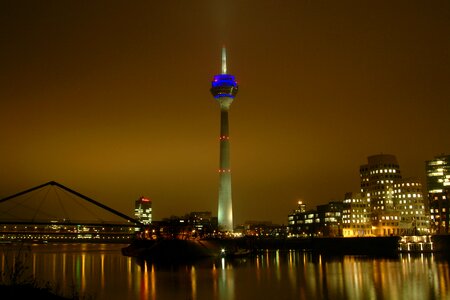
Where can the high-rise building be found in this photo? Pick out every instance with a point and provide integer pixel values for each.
(377, 185)
(397, 206)
(224, 89)
(409, 201)
(143, 210)
(438, 188)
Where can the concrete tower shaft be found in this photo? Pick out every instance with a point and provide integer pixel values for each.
(224, 89)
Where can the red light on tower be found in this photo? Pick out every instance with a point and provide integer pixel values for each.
(143, 199)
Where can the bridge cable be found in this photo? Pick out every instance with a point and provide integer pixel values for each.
(83, 206)
(40, 204)
(61, 204)
(71, 192)
(21, 204)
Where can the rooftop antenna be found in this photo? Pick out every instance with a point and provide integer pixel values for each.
(224, 60)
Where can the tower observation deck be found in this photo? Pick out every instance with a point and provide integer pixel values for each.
(224, 89)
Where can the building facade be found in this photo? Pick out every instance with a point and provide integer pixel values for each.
(326, 220)
(302, 222)
(409, 201)
(143, 210)
(438, 187)
(356, 216)
(330, 219)
(377, 185)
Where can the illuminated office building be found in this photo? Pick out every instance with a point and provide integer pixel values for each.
(330, 219)
(356, 217)
(409, 201)
(301, 222)
(326, 220)
(143, 210)
(438, 187)
(377, 185)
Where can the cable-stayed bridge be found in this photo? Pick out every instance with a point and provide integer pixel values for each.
(54, 212)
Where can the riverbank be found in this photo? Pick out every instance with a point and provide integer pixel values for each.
(191, 249)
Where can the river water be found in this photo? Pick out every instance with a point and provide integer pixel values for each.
(99, 271)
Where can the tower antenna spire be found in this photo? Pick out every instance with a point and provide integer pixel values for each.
(224, 60)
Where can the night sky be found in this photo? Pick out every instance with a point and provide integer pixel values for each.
(112, 98)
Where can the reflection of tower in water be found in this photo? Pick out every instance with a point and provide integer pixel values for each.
(224, 89)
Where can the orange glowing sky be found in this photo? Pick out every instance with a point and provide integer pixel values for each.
(112, 98)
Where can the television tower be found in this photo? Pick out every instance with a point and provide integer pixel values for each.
(224, 89)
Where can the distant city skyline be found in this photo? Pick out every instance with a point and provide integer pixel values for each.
(112, 100)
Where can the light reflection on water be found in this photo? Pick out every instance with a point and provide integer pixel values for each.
(101, 272)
